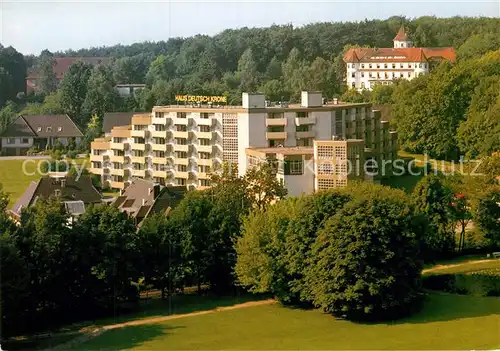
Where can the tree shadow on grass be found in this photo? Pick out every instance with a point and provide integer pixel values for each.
(127, 338)
(442, 307)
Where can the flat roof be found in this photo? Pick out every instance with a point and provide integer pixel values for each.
(298, 150)
(232, 108)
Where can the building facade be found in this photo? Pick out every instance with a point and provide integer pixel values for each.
(181, 145)
(40, 131)
(367, 67)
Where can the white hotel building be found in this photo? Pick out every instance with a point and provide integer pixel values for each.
(367, 67)
(183, 144)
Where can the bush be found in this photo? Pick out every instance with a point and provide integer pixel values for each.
(481, 283)
(33, 150)
(72, 154)
(365, 259)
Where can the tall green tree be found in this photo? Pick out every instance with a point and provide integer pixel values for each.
(294, 72)
(12, 74)
(433, 200)
(162, 68)
(160, 252)
(101, 94)
(263, 187)
(487, 217)
(247, 72)
(188, 218)
(74, 88)
(366, 264)
(48, 79)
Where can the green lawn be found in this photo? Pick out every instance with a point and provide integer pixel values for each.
(405, 182)
(14, 180)
(446, 322)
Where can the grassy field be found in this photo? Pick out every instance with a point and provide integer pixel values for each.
(14, 180)
(446, 322)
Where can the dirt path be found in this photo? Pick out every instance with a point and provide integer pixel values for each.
(192, 314)
(446, 266)
(90, 334)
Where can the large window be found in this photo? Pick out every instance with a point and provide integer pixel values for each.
(11, 141)
(295, 167)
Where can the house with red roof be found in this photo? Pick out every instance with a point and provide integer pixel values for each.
(61, 66)
(367, 67)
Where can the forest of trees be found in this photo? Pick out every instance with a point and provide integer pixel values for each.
(279, 61)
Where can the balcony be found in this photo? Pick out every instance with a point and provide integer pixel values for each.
(276, 135)
(203, 175)
(118, 146)
(182, 135)
(139, 173)
(204, 121)
(179, 147)
(137, 159)
(141, 147)
(182, 161)
(159, 160)
(117, 171)
(308, 134)
(204, 148)
(203, 135)
(119, 159)
(159, 147)
(98, 171)
(204, 162)
(159, 134)
(180, 121)
(300, 121)
(138, 133)
(97, 158)
(276, 122)
(117, 185)
(179, 174)
(157, 120)
(160, 174)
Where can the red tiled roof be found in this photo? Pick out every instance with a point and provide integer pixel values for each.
(441, 53)
(63, 63)
(402, 35)
(398, 54)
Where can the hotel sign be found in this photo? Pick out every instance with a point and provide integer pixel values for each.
(200, 98)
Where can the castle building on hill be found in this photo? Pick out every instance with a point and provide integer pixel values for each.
(367, 67)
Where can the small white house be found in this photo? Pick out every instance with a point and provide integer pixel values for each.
(126, 90)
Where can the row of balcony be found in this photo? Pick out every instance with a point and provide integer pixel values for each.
(299, 121)
(284, 135)
(143, 173)
(183, 121)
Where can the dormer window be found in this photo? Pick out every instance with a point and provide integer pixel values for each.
(49, 129)
(59, 129)
(39, 129)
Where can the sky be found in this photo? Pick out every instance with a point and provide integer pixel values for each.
(31, 26)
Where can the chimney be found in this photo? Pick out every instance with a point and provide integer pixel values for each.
(143, 202)
(63, 182)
